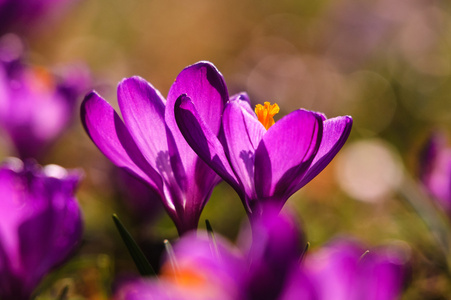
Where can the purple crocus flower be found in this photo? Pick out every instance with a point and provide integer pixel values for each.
(435, 169)
(263, 162)
(40, 224)
(148, 143)
(343, 270)
(36, 105)
(274, 258)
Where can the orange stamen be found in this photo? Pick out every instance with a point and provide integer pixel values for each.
(266, 113)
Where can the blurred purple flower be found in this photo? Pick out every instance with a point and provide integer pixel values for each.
(148, 143)
(342, 270)
(199, 269)
(36, 106)
(40, 224)
(435, 169)
(270, 268)
(203, 268)
(24, 16)
(263, 165)
(274, 258)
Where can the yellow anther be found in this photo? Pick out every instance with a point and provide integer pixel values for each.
(266, 113)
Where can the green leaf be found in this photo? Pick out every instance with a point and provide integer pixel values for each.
(434, 220)
(304, 253)
(208, 225)
(211, 236)
(171, 256)
(141, 262)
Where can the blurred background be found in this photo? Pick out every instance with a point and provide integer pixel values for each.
(386, 63)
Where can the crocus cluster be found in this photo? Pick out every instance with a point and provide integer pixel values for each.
(179, 146)
(171, 145)
(36, 104)
(272, 266)
(435, 169)
(40, 224)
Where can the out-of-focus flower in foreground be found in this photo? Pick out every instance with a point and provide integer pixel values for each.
(148, 143)
(40, 224)
(36, 105)
(263, 160)
(270, 264)
(274, 257)
(199, 269)
(205, 268)
(344, 270)
(435, 170)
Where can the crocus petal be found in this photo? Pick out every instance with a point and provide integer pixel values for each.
(12, 219)
(434, 145)
(142, 108)
(40, 224)
(276, 248)
(382, 277)
(335, 133)
(109, 133)
(59, 227)
(285, 152)
(277, 239)
(435, 169)
(298, 286)
(10, 284)
(245, 102)
(243, 133)
(221, 261)
(341, 272)
(202, 140)
(203, 83)
(149, 289)
(334, 269)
